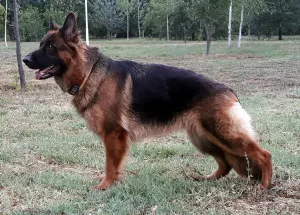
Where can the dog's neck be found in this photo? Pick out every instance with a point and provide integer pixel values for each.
(87, 64)
(81, 83)
(96, 71)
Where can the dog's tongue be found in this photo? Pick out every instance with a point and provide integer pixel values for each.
(38, 75)
(42, 72)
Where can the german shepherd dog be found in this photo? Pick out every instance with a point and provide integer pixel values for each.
(125, 101)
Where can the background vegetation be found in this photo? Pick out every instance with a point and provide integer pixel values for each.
(183, 19)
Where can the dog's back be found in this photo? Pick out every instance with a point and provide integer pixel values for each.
(161, 93)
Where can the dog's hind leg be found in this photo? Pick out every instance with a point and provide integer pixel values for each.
(223, 169)
(206, 147)
(230, 129)
(244, 166)
(116, 148)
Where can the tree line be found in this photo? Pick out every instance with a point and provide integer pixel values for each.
(169, 19)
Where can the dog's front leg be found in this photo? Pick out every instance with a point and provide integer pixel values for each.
(116, 148)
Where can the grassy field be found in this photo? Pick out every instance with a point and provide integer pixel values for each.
(49, 160)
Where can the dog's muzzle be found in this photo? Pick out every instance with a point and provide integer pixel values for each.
(28, 60)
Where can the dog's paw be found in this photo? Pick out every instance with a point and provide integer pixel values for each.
(100, 187)
(210, 177)
(105, 183)
(265, 187)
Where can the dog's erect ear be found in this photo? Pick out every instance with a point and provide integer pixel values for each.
(52, 24)
(69, 29)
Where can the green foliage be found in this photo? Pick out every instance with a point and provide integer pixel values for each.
(2, 14)
(107, 14)
(155, 20)
(58, 16)
(126, 5)
(277, 17)
(188, 19)
(2, 18)
(31, 24)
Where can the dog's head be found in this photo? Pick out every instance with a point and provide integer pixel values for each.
(57, 49)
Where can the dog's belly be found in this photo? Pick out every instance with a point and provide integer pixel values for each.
(138, 131)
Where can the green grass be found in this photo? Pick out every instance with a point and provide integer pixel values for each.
(49, 160)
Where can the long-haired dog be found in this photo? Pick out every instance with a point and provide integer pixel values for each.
(125, 101)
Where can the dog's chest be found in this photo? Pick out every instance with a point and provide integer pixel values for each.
(95, 119)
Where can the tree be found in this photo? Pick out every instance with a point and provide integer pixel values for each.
(141, 9)
(253, 7)
(211, 13)
(31, 24)
(158, 17)
(182, 24)
(276, 17)
(140, 2)
(241, 24)
(107, 14)
(18, 45)
(139, 23)
(5, 23)
(229, 24)
(127, 7)
(169, 7)
(284, 13)
(154, 19)
(171, 19)
(239, 8)
(56, 14)
(86, 24)
(2, 19)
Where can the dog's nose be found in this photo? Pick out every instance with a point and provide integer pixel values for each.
(30, 61)
(27, 59)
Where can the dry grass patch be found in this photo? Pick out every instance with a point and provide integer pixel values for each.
(49, 159)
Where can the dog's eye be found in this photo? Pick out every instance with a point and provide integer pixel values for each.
(50, 46)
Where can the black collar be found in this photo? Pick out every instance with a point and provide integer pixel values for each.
(75, 88)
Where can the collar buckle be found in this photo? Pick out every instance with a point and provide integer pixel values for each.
(73, 90)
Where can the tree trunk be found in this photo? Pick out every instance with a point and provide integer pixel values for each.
(168, 37)
(5, 23)
(109, 34)
(86, 25)
(127, 22)
(139, 25)
(18, 46)
(249, 31)
(184, 34)
(280, 32)
(208, 38)
(229, 24)
(241, 25)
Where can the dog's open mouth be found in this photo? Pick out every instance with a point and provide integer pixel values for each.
(47, 72)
